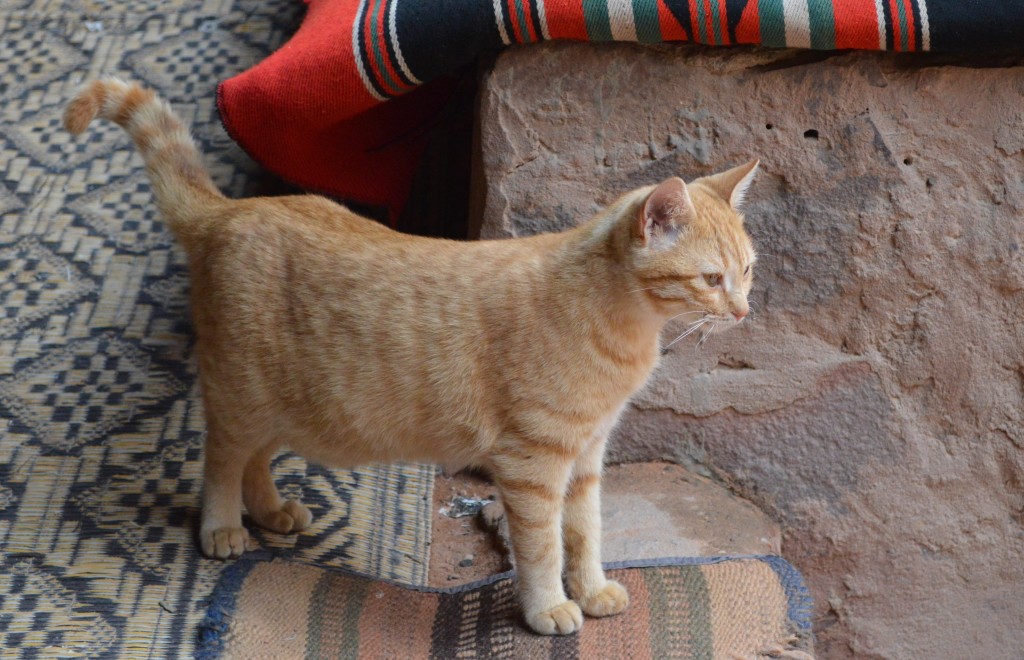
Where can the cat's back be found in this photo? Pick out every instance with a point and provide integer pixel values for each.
(306, 266)
(269, 224)
(307, 240)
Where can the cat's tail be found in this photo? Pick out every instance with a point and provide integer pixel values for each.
(184, 191)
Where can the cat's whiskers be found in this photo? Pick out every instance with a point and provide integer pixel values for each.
(707, 332)
(696, 311)
(693, 328)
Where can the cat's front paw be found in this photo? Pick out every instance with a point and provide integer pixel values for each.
(561, 619)
(612, 599)
(224, 542)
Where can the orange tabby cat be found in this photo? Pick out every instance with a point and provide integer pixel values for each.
(347, 342)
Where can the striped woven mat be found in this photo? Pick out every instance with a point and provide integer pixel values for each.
(100, 423)
(736, 608)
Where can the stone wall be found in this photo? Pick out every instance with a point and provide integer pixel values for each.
(873, 404)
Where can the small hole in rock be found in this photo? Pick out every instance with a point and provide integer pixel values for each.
(769, 126)
(908, 160)
(811, 134)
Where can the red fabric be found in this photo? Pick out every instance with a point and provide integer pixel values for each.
(304, 113)
(911, 45)
(723, 21)
(568, 22)
(671, 30)
(749, 29)
(856, 24)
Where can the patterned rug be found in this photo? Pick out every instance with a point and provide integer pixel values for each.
(711, 608)
(100, 424)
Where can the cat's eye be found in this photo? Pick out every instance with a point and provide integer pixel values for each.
(713, 279)
(746, 271)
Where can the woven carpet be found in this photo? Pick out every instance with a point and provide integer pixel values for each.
(100, 424)
(738, 608)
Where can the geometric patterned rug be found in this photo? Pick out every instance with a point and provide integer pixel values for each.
(101, 428)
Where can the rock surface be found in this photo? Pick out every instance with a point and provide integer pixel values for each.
(874, 405)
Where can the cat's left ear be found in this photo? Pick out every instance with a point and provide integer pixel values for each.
(732, 185)
(667, 209)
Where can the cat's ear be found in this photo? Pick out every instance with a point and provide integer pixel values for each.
(666, 210)
(733, 184)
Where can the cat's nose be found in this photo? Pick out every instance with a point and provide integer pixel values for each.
(740, 307)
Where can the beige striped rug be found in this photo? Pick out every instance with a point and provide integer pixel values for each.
(728, 608)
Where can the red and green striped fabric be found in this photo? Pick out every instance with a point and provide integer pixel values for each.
(325, 110)
(696, 608)
(820, 24)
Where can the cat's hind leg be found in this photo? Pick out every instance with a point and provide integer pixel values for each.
(262, 500)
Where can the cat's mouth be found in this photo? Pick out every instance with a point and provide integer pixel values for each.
(708, 324)
(720, 323)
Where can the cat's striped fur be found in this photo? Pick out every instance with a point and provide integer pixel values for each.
(347, 342)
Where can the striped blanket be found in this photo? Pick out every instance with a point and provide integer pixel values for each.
(700, 608)
(315, 113)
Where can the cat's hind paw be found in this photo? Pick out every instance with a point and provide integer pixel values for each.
(291, 518)
(224, 542)
(301, 516)
(559, 620)
(612, 599)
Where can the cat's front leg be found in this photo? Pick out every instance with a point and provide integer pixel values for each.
(532, 479)
(221, 534)
(581, 520)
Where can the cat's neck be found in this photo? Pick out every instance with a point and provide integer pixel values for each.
(593, 264)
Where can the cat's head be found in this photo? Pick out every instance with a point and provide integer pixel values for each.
(689, 250)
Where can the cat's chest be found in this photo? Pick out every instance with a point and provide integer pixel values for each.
(610, 380)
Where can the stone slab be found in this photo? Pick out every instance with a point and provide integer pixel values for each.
(649, 511)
